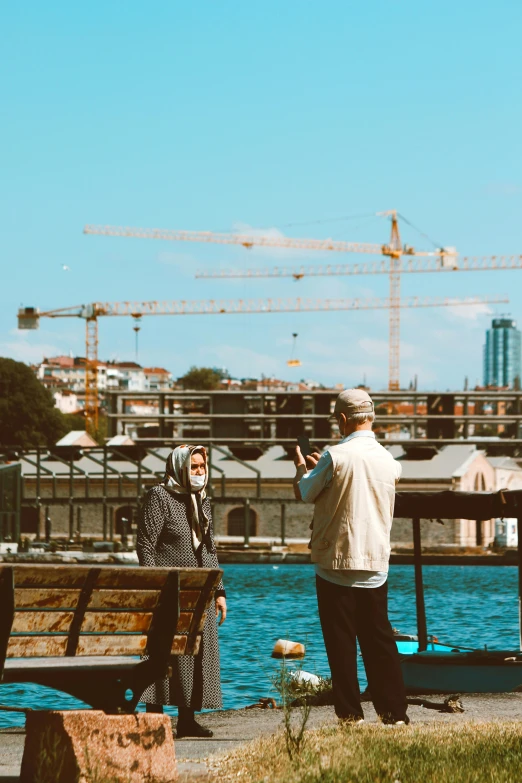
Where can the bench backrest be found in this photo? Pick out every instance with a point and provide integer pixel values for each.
(55, 610)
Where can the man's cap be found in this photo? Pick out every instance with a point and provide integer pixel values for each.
(352, 401)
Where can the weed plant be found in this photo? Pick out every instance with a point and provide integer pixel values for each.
(294, 728)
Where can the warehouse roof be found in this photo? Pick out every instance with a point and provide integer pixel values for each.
(274, 464)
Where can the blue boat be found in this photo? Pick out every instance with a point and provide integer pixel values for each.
(429, 666)
(408, 644)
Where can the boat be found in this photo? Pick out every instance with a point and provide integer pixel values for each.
(408, 644)
(429, 666)
(462, 671)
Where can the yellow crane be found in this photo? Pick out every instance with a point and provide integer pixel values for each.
(407, 265)
(394, 250)
(29, 318)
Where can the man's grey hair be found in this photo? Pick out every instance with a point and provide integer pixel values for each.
(361, 418)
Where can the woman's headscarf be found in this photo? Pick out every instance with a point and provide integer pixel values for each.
(177, 481)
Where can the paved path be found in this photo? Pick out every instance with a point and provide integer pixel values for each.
(234, 727)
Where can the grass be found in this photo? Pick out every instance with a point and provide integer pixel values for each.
(470, 753)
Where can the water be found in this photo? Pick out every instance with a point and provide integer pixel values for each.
(465, 605)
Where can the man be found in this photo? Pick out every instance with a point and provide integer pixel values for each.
(353, 488)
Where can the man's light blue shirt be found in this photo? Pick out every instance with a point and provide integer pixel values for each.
(310, 487)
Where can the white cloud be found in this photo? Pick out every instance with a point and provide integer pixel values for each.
(469, 312)
(24, 351)
(502, 189)
(22, 346)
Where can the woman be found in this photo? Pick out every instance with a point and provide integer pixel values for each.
(175, 529)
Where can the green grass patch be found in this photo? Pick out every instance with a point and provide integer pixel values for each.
(469, 753)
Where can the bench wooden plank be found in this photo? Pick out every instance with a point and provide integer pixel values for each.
(124, 599)
(41, 597)
(107, 644)
(42, 622)
(191, 647)
(146, 579)
(179, 645)
(64, 599)
(36, 646)
(118, 622)
(117, 577)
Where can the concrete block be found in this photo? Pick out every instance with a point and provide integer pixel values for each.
(87, 746)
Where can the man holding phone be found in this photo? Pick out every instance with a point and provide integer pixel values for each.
(352, 486)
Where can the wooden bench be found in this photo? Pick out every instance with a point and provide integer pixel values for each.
(83, 629)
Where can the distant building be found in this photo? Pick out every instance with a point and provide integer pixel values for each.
(66, 401)
(59, 373)
(502, 363)
(157, 378)
(77, 438)
(508, 473)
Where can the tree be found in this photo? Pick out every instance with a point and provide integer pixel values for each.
(201, 378)
(27, 413)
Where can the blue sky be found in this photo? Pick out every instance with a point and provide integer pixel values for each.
(222, 114)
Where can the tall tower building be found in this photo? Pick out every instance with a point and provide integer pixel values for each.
(502, 354)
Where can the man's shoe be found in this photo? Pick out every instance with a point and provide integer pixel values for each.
(391, 720)
(192, 729)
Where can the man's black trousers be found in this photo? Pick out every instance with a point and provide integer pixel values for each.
(348, 614)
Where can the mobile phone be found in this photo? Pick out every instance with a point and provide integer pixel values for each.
(303, 441)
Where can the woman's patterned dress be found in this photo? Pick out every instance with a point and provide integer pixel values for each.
(165, 540)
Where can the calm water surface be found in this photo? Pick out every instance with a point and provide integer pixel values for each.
(465, 605)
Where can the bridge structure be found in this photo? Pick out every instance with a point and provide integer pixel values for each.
(246, 420)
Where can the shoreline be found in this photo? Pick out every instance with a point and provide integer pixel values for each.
(254, 556)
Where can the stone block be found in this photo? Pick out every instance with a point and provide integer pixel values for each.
(88, 746)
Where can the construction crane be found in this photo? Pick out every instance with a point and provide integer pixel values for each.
(29, 318)
(448, 264)
(394, 250)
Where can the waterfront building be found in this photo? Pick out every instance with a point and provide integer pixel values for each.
(508, 475)
(502, 360)
(265, 478)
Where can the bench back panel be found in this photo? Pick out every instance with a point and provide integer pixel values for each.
(108, 609)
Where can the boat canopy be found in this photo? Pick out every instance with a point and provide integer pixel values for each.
(449, 504)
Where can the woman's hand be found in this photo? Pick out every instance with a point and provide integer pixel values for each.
(221, 606)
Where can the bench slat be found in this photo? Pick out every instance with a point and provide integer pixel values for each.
(36, 646)
(116, 622)
(40, 597)
(63, 599)
(106, 644)
(110, 576)
(95, 644)
(43, 622)
(124, 599)
(190, 648)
